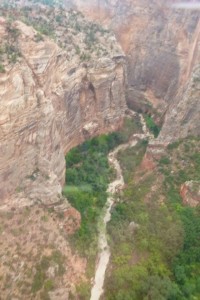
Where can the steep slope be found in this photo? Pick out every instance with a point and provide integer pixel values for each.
(62, 80)
(52, 100)
(162, 46)
(182, 117)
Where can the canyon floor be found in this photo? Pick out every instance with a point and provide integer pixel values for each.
(99, 150)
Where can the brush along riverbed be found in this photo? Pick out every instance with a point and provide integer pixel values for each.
(159, 259)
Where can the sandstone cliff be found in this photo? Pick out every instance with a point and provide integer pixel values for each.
(183, 115)
(162, 46)
(62, 80)
(52, 100)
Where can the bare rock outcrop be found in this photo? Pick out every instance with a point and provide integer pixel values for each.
(183, 115)
(155, 37)
(161, 44)
(48, 105)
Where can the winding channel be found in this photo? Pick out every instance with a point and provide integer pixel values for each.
(113, 188)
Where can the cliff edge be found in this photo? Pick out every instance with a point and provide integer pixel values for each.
(52, 98)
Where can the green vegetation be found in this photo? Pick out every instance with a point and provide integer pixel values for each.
(41, 24)
(186, 158)
(160, 259)
(40, 280)
(39, 37)
(130, 127)
(83, 291)
(131, 158)
(87, 177)
(44, 28)
(9, 50)
(151, 125)
(2, 69)
(68, 28)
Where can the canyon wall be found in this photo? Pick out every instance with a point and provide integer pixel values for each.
(52, 99)
(161, 44)
(61, 88)
(50, 103)
(183, 115)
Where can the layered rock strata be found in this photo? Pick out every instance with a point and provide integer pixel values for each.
(48, 105)
(183, 116)
(162, 48)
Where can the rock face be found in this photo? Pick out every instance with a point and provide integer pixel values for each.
(182, 117)
(51, 100)
(49, 104)
(162, 48)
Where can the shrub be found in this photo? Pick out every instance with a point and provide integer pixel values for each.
(2, 69)
(152, 126)
(39, 37)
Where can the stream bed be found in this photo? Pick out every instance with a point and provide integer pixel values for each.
(113, 188)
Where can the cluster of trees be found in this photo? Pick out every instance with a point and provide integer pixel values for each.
(41, 282)
(87, 177)
(9, 50)
(160, 260)
(153, 127)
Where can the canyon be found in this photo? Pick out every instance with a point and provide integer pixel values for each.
(51, 101)
(54, 94)
(113, 188)
(49, 104)
(162, 51)
(67, 76)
